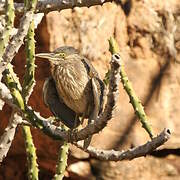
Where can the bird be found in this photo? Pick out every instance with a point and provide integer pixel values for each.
(52, 100)
(68, 92)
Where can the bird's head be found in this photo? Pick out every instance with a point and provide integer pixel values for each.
(59, 54)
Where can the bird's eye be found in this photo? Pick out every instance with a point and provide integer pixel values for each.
(61, 55)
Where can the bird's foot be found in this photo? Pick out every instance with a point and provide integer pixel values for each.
(51, 119)
(72, 131)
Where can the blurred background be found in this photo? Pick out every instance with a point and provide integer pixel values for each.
(148, 33)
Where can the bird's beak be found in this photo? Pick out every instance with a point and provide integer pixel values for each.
(49, 56)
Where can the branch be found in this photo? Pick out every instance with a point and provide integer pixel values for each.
(62, 160)
(56, 5)
(5, 36)
(5, 95)
(32, 116)
(31, 153)
(28, 85)
(9, 8)
(15, 119)
(143, 150)
(8, 135)
(14, 86)
(134, 100)
(17, 40)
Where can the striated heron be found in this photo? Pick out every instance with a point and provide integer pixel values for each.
(68, 92)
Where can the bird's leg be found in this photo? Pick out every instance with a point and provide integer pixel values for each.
(74, 129)
(83, 118)
(51, 119)
(88, 140)
(85, 114)
(76, 121)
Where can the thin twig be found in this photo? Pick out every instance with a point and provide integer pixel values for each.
(17, 40)
(8, 135)
(143, 150)
(56, 5)
(5, 95)
(4, 39)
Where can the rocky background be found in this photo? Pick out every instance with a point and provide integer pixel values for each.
(148, 33)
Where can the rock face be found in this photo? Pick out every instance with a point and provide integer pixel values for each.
(149, 40)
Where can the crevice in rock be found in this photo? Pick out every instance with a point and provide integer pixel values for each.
(125, 5)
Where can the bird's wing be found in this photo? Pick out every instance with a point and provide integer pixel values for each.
(92, 73)
(57, 106)
(101, 92)
(97, 88)
(98, 97)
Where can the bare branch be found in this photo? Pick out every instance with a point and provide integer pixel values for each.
(56, 5)
(143, 150)
(17, 40)
(5, 94)
(1, 104)
(8, 135)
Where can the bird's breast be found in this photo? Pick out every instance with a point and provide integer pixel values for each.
(71, 85)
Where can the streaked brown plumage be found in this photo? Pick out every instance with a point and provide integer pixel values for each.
(71, 77)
